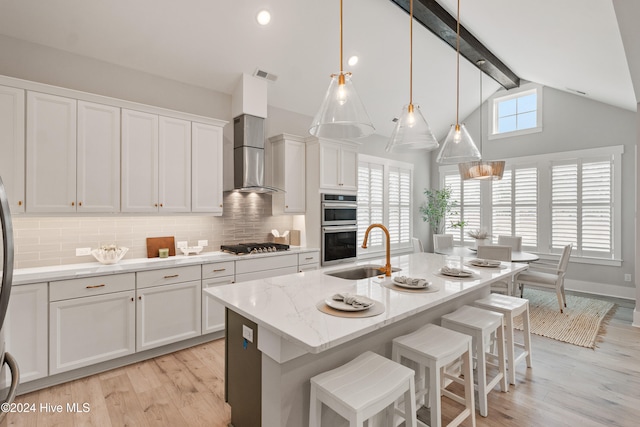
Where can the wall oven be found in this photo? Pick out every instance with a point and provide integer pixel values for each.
(339, 228)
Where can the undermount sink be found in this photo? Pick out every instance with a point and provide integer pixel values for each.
(359, 272)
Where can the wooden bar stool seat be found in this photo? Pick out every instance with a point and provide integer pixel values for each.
(361, 389)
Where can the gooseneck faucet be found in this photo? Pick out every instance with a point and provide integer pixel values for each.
(387, 268)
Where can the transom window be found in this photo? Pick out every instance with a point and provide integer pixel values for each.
(516, 113)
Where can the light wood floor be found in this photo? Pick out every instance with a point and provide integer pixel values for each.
(567, 386)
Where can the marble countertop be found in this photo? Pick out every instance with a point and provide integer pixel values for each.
(286, 305)
(24, 276)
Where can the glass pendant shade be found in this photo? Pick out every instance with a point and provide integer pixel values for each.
(458, 147)
(483, 170)
(342, 114)
(412, 132)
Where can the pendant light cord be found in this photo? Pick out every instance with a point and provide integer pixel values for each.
(340, 36)
(458, 67)
(411, 53)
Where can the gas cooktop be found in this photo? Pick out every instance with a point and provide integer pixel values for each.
(254, 248)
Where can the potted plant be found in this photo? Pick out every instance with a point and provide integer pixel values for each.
(481, 237)
(437, 207)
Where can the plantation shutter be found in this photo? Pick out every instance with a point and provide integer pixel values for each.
(470, 207)
(526, 206)
(597, 207)
(502, 196)
(399, 205)
(370, 202)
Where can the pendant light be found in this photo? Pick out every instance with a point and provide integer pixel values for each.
(483, 169)
(412, 132)
(342, 115)
(458, 146)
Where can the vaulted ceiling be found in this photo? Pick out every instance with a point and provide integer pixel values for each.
(570, 45)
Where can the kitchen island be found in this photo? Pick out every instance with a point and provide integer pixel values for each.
(277, 320)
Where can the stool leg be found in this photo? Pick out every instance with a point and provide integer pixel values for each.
(511, 356)
(481, 358)
(501, 360)
(467, 362)
(315, 409)
(410, 405)
(434, 398)
(527, 335)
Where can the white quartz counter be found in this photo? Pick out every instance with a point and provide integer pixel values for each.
(71, 271)
(286, 305)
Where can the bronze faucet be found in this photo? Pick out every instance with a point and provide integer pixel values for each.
(387, 268)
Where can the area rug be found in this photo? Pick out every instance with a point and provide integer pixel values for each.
(580, 323)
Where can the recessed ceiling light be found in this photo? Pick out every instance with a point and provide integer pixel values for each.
(352, 60)
(263, 17)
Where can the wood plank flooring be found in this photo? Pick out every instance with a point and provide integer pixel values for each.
(567, 386)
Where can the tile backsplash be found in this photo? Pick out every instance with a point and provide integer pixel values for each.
(44, 241)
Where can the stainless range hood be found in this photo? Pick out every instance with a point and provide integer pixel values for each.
(248, 155)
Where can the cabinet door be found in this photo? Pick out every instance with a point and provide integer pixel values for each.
(207, 164)
(348, 169)
(213, 311)
(329, 166)
(168, 314)
(139, 161)
(294, 177)
(174, 151)
(85, 331)
(51, 153)
(12, 145)
(98, 163)
(26, 330)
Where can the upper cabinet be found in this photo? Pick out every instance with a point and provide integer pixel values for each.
(287, 154)
(334, 164)
(174, 174)
(206, 168)
(12, 145)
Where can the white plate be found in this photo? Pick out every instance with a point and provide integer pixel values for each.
(462, 274)
(473, 249)
(339, 305)
(404, 285)
(485, 263)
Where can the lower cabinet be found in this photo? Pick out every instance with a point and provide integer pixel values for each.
(167, 313)
(214, 274)
(26, 331)
(84, 331)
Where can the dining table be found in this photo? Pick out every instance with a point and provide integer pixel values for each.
(465, 251)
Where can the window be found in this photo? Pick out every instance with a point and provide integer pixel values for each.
(384, 196)
(517, 113)
(550, 200)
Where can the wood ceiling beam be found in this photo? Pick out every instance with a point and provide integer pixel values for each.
(437, 20)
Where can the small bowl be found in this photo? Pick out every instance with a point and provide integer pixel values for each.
(109, 256)
(191, 250)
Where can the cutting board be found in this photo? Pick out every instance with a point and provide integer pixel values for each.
(155, 243)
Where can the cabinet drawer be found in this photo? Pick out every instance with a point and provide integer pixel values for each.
(218, 269)
(308, 258)
(167, 276)
(256, 275)
(90, 286)
(266, 263)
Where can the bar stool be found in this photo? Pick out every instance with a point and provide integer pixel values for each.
(361, 388)
(511, 307)
(432, 348)
(482, 325)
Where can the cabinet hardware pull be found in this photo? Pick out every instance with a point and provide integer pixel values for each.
(140, 297)
(219, 270)
(79, 203)
(101, 285)
(73, 203)
(172, 276)
(161, 205)
(220, 204)
(19, 202)
(155, 205)
(309, 257)
(131, 298)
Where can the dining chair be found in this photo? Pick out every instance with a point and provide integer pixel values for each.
(442, 241)
(417, 245)
(514, 241)
(498, 253)
(554, 279)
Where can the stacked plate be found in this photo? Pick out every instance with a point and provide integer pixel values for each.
(455, 272)
(489, 263)
(410, 283)
(348, 302)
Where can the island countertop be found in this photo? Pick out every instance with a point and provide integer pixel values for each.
(286, 305)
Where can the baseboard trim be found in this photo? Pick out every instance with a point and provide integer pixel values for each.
(636, 317)
(603, 289)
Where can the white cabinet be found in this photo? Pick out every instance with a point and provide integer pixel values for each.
(91, 320)
(139, 161)
(214, 274)
(287, 154)
(12, 145)
(338, 166)
(51, 153)
(308, 261)
(26, 330)
(260, 268)
(156, 163)
(169, 308)
(98, 158)
(206, 168)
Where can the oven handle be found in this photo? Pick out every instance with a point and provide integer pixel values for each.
(340, 228)
(340, 205)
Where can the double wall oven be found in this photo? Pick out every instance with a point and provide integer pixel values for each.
(339, 228)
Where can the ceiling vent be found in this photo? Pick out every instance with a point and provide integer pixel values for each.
(264, 75)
